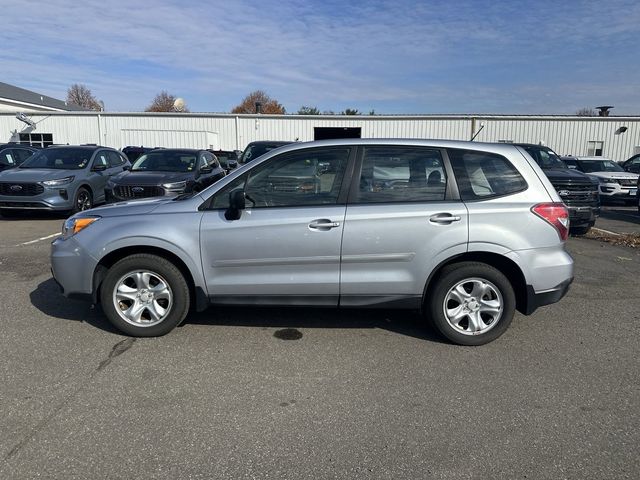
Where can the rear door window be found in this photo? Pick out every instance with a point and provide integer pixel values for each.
(392, 174)
(482, 175)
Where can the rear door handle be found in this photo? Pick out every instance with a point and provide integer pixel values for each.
(323, 224)
(443, 218)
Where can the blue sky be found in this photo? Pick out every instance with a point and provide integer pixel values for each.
(392, 56)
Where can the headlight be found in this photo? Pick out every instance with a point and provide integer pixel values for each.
(74, 225)
(175, 186)
(58, 182)
(607, 180)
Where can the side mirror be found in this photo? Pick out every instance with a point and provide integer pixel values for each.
(99, 168)
(231, 164)
(237, 203)
(207, 169)
(126, 167)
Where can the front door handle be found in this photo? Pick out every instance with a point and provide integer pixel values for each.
(443, 218)
(323, 224)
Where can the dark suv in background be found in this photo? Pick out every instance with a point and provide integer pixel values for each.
(165, 172)
(133, 152)
(13, 154)
(228, 158)
(578, 192)
(257, 149)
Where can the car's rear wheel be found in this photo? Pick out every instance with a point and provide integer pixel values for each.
(580, 230)
(145, 295)
(82, 201)
(472, 303)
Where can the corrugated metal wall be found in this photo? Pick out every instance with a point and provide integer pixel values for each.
(567, 135)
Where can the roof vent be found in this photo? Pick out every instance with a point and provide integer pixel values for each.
(603, 111)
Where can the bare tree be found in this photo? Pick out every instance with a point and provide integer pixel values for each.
(586, 112)
(259, 102)
(80, 95)
(164, 102)
(304, 110)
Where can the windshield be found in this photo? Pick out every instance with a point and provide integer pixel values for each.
(164, 161)
(254, 151)
(589, 166)
(59, 158)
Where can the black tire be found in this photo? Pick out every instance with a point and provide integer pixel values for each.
(179, 289)
(83, 200)
(453, 275)
(578, 231)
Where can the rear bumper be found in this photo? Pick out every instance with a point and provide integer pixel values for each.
(579, 216)
(547, 297)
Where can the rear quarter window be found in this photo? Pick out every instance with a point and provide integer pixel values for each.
(482, 175)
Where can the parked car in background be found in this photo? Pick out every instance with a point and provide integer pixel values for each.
(133, 153)
(13, 154)
(65, 178)
(578, 191)
(613, 182)
(257, 149)
(165, 172)
(487, 238)
(632, 165)
(228, 158)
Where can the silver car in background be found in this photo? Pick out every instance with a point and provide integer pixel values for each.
(65, 178)
(465, 232)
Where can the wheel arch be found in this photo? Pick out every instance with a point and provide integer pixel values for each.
(200, 299)
(506, 266)
(87, 187)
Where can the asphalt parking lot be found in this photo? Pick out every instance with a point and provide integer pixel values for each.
(359, 394)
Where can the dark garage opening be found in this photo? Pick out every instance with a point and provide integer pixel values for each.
(328, 133)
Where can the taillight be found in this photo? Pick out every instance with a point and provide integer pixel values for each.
(556, 214)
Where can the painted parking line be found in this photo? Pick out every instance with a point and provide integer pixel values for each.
(605, 231)
(30, 242)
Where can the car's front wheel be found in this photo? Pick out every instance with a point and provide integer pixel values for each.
(145, 295)
(472, 303)
(82, 201)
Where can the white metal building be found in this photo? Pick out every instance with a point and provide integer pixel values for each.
(614, 137)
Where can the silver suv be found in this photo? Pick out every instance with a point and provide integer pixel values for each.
(465, 232)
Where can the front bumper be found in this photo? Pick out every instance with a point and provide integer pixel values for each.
(51, 199)
(615, 190)
(72, 267)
